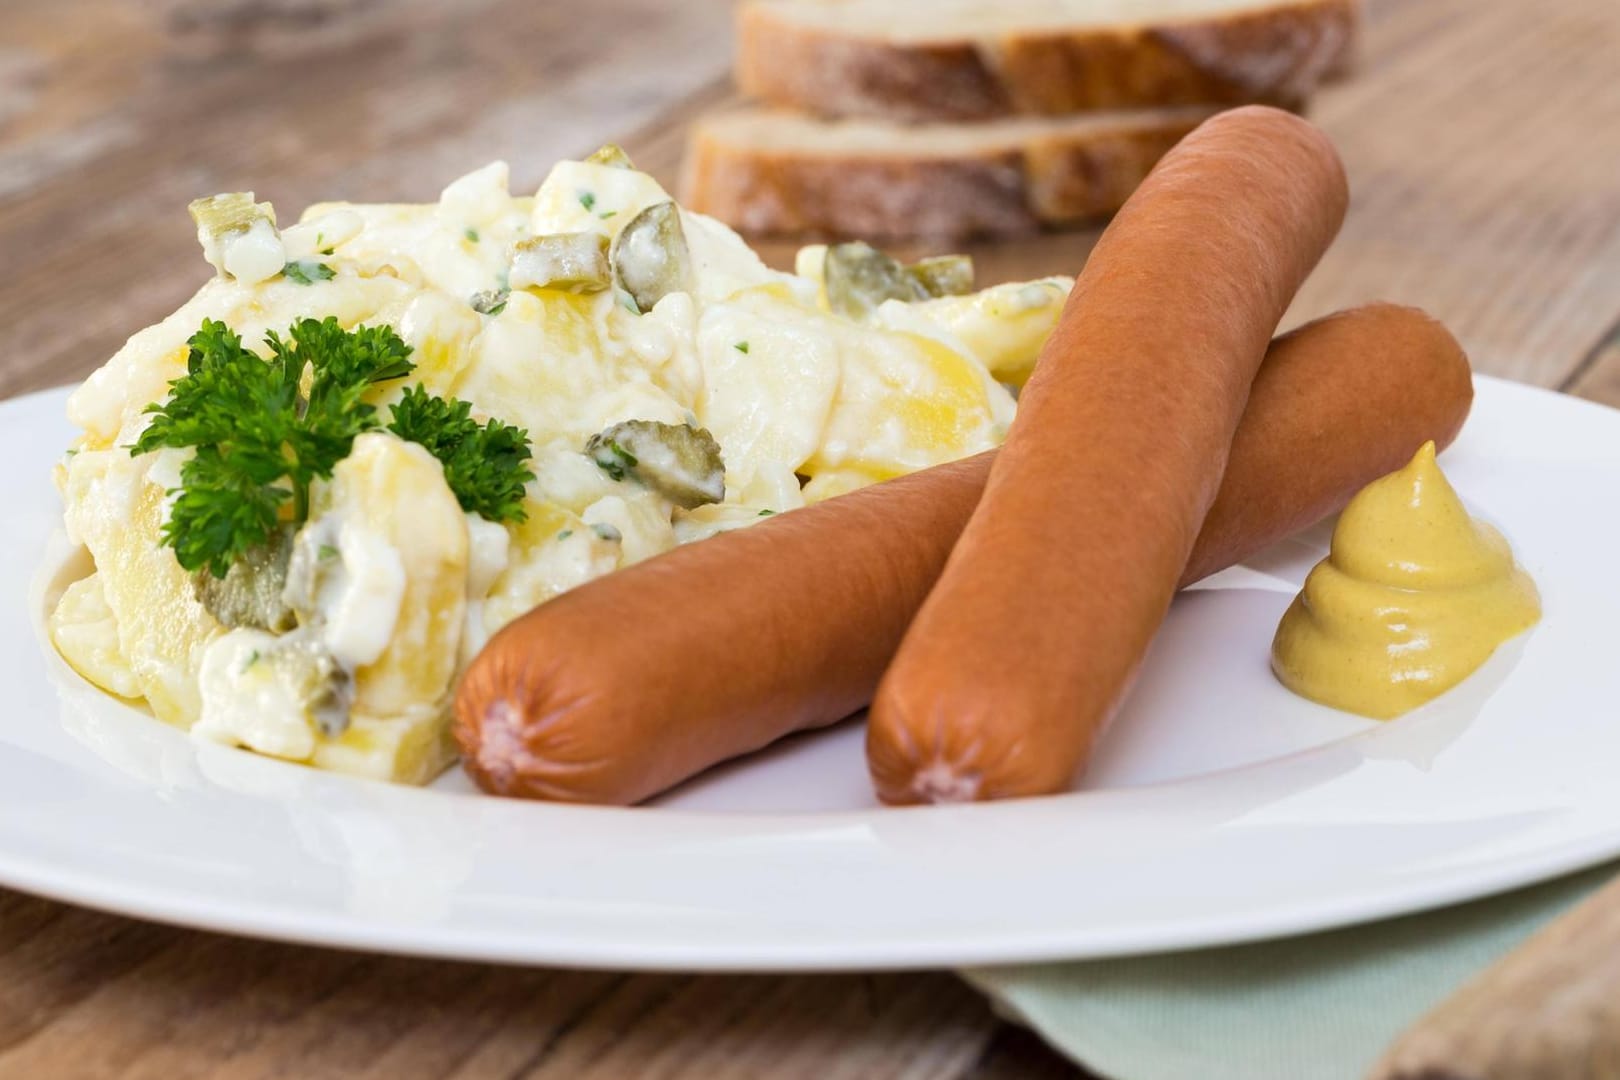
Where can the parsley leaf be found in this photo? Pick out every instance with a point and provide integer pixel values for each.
(223, 511)
(263, 429)
(308, 271)
(587, 199)
(259, 440)
(617, 462)
(484, 466)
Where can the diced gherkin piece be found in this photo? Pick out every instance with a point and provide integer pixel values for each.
(859, 277)
(612, 155)
(572, 262)
(650, 256)
(239, 238)
(490, 301)
(679, 461)
(231, 212)
(944, 275)
(250, 593)
(325, 686)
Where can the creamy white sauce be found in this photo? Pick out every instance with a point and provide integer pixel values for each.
(489, 553)
(639, 519)
(321, 233)
(581, 197)
(476, 199)
(360, 594)
(250, 256)
(253, 696)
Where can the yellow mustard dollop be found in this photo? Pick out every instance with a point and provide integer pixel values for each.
(1414, 596)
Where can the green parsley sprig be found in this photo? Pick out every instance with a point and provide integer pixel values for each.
(484, 466)
(264, 429)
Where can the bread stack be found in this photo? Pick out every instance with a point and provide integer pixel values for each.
(946, 119)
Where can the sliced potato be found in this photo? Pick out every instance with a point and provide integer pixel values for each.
(1005, 326)
(162, 629)
(85, 632)
(396, 491)
(553, 550)
(411, 748)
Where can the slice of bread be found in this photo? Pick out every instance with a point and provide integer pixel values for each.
(768, 171)
(973, 59)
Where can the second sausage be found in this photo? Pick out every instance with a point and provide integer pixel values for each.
(1026, 646)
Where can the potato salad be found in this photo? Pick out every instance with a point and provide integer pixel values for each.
(377, 435)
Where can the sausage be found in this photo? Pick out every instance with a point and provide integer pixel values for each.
(1029, 640)
(630, 684)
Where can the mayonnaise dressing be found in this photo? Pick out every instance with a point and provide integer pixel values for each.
(252, 696)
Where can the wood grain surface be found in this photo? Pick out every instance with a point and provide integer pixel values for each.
(1483, 143)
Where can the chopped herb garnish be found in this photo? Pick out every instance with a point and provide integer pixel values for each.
(587, 200)
(265, 429)
(617, 461)
(604, 215)
(326, 551)
(328, 251)
(471, 234)
(766, 513)
(565, 534)
(741, 346)
(607, 532)
(260, 437)
(253, 658)
(308, 271)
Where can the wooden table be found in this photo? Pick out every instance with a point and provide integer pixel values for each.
(1483, 142)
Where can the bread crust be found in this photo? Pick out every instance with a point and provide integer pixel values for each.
(1050, 179)
(1273, 55)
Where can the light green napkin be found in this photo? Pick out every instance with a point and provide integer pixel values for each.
(1320, 1007)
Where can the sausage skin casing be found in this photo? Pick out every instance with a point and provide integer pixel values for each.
(1032, 635)
(630, 684)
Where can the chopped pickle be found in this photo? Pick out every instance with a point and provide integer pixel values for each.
(944, 275)
(250, 593)
(612, 155)
(650, 256)
(572, 262)
(859, 277)
(490, 301)
(232, 212)
(239, 237)
(679, 461)
(325, 685)
(316, 679)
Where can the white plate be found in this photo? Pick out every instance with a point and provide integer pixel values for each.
(1220, 808)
